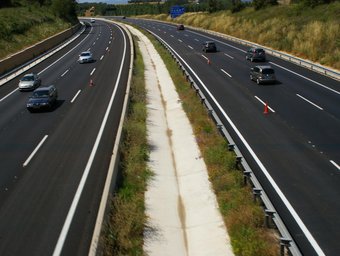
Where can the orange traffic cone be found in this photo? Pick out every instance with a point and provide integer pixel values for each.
(265, 109)
(91, 83)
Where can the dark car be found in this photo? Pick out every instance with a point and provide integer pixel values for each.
(180, 27)
(256, 54)
(43, 98)
(262, 74)
(209, 46)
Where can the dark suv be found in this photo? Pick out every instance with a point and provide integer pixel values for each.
(256, 54)
(209, 46)
(262, 74)
(43, 98)
(180, 27)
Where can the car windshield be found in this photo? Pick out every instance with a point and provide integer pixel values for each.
(268, 71)
(85, 54)
(259, 50)
(27, 78)
(40, 94)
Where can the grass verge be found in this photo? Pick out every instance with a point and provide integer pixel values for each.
(125, 228)
(243, 218)
(310, 33)
(22, 27)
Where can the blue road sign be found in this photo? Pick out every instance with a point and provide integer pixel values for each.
(176, 11)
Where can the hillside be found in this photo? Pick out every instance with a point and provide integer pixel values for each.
(311, 33)
(21, 27)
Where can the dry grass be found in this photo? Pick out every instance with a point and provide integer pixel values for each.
(313, 34)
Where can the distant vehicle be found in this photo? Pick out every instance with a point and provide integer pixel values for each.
(209, 46)
(124, 17)
(262, 74)
(85, 57)
(180, 27)
(92, 20)
(256, 54)
(29, 82)
(42, 98)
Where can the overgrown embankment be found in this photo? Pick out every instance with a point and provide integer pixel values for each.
(21, 27)
(310, 33)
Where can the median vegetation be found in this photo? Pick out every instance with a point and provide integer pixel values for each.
(310, 33)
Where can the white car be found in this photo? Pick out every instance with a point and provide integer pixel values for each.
(29, 82)
(85, 57)
(92, 20)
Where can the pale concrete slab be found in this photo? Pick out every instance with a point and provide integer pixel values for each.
(180, 203)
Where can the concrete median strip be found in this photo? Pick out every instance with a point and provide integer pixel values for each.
(180, 204)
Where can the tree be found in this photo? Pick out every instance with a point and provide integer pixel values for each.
(260, 4)
(65, 9)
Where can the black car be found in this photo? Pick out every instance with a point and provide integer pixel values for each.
(43, 98)
(256, 54)
(262, 74)
(209, 46)
(180, 27)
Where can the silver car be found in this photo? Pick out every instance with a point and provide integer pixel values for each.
(85, 57)
(29, 82)
(263, 74)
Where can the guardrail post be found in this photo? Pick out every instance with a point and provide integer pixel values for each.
(246, 176)
(284, 243)
(256, 192)
(269, 215)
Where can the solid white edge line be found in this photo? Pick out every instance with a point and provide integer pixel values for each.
(312, 103)
(225, 72)
(59, 246)
(75, 96)
(308, 79)
(34, 151)
(64, 73)
(335, 164)
(94, 69)
(272, 110)
(304, 229)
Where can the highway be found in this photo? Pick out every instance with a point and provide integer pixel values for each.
(294, 150)
(53, 164)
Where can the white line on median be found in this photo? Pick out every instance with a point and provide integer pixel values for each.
(75, 96)
(335, 164)
(225, 72)
(35, 151)
(93, 71)
(64, 73)
(312, 103)
(272, 110)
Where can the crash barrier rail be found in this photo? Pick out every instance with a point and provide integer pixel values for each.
(28, 58)
(272, 218)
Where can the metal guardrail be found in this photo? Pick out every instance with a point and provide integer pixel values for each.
(291, 58)
(287, 244)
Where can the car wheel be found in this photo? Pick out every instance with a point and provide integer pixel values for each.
(258, 81)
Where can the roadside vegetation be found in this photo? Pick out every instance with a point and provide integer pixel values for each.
(24, 23)
(127, 221)
(310, 33)
(243, 217)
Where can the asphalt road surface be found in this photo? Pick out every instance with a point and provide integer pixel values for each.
(46, 157)
(294, 150)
